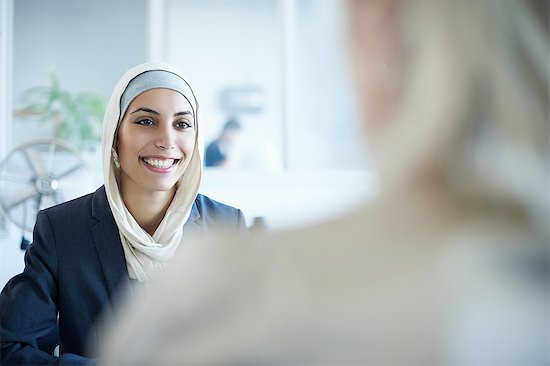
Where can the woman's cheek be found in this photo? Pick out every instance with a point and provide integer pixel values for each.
(188, 144)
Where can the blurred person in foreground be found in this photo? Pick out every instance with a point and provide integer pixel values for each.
(448, 265)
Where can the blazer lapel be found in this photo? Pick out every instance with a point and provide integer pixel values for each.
(192, 227)
(107, 241)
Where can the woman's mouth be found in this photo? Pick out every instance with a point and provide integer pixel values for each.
(160, 163)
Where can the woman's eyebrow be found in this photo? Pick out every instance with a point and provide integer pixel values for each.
(184, 113)
(149, 110)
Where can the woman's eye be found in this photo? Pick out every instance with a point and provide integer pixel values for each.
(182, 124)
(145, 122)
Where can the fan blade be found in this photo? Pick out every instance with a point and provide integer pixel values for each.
(8, 178)
(39, 201)
(22, 197)
(35, 160)
(51, 154)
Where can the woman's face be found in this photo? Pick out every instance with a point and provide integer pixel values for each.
(156, 139)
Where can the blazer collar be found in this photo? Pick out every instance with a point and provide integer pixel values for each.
(192, 226)
(107, 241)
(195, 214)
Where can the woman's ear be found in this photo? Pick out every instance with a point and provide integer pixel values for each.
(114, 155)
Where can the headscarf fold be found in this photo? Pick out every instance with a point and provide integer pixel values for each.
(145, 253)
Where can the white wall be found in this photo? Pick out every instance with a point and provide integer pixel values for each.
(324, 128)
(92, 42)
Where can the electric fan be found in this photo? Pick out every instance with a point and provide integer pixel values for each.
(36, 175)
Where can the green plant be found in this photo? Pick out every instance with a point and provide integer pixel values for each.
(76, 117)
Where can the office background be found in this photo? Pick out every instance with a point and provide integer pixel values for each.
(278, 66)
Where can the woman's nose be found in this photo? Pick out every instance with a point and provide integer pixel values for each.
(164, 138)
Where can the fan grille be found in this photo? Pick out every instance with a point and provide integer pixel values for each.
(34, 176)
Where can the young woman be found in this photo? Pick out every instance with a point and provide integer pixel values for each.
(86, 250)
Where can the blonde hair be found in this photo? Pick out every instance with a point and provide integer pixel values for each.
(471, 86)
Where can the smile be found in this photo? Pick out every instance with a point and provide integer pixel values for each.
(160, 163)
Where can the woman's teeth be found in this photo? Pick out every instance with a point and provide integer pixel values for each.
(159, 163)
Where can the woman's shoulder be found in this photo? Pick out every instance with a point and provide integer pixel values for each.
(220, 213)
(204, 202)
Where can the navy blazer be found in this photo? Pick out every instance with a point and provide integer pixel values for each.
(73, 269)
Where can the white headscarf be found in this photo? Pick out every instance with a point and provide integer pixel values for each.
(145, 253)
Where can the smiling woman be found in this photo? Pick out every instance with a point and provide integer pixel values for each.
(88, 250)
(155, 145)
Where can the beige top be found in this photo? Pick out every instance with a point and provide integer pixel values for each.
(447, 287)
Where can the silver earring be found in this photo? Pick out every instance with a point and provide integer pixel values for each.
(115, 158)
